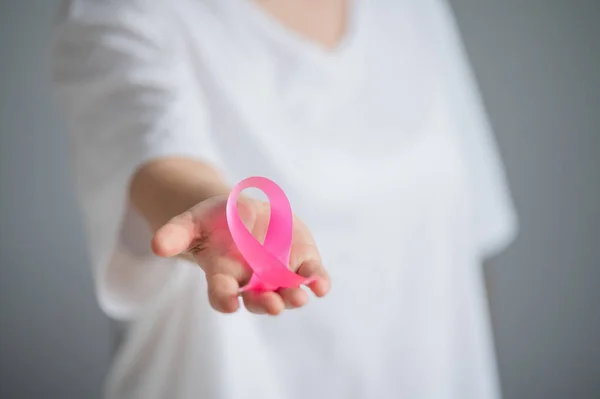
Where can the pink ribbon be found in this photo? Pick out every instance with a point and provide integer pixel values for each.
(268, 261)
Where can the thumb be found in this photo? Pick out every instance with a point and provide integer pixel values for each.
(176, 236)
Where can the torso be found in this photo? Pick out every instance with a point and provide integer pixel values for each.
(369, 161)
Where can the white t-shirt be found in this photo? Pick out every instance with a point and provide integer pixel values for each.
(383, 148)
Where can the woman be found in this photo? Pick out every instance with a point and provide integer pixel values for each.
(366, 114)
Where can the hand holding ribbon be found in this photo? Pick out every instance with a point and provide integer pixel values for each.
(224, 235)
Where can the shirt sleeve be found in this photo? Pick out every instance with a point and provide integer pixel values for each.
(495, 217)
(128, 96)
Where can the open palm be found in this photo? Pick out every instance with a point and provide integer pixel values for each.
(202, 232)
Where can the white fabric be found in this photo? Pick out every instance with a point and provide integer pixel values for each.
(383, 148)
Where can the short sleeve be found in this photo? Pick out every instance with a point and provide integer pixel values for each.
(126, 91)
(495, 218)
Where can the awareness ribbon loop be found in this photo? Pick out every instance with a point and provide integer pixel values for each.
(268, 261)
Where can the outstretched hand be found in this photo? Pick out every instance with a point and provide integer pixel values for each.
(202, 233)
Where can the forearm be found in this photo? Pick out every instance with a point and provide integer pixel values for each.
(167, 187)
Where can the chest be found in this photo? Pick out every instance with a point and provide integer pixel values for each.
(367, 127)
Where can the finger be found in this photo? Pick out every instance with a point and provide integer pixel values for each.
(293, 297)
(224, 277)
(322, 283)
(263, 302)
(223, 292)
(229, 266)
(176, 236)
(252, 303)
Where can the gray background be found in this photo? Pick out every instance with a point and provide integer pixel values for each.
(538, 63)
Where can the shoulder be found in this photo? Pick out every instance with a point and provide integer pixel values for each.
(159, 19)
(102, 9)
(140, 15)
(125, 24)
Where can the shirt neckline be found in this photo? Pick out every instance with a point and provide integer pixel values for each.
(294, 42)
